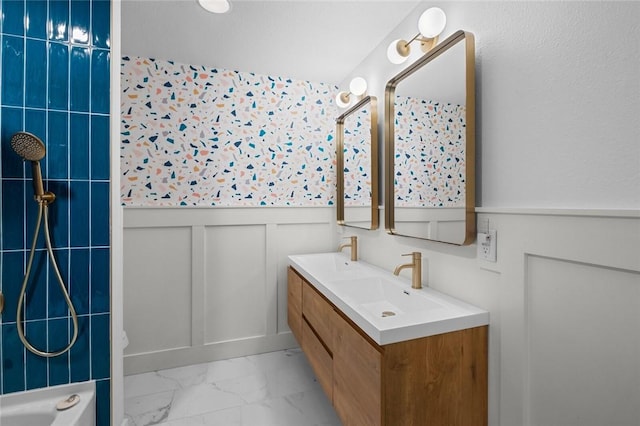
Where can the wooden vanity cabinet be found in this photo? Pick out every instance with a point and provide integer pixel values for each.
(438, 380)
(357, 378)
(317, 336)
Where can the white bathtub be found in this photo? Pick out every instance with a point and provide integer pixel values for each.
(38, 407)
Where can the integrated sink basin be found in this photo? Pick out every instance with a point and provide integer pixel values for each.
(332, 268)
(383, 305)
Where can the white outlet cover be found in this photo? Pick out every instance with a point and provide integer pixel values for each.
(487, 244)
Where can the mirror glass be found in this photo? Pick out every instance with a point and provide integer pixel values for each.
(430, 125)
(357, 165)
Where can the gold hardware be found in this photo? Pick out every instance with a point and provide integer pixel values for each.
(1, 302)
(430, 25)
(416, 269)
(372, 148)
(354, 247)
(469, 159)
(357, 88)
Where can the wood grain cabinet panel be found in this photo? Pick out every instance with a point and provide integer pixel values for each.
(318, 312)
(356, 377)
(319, 357)
(294, 303)
(437, 380)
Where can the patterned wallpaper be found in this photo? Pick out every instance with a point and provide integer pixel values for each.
(198, 136)
(429, 153)
(357, 158)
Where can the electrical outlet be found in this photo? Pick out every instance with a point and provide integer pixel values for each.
(487, 243)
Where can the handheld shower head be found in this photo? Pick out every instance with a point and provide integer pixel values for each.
(28, 146)
(31, 148)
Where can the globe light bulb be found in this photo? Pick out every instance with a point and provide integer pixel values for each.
(358, 86)
(215, 6)
(393, 54)
(342, 99)
(432, 22)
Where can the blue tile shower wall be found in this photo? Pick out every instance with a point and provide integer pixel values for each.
(54, 83)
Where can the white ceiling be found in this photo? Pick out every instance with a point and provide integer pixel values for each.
(320, 41)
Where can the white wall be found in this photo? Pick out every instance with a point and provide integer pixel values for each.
(558, 96)
(558, 172)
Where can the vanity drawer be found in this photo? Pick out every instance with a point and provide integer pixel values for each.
(319, 358)
(319, 313)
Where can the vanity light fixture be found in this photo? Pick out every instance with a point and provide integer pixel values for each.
(215, 6)
(430, 26)
(357, 87)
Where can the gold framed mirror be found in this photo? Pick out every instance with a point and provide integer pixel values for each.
(430, 145)
(357, 165)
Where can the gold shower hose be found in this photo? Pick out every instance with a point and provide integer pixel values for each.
(43, 210)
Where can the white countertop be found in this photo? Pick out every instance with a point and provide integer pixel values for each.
(363, 292)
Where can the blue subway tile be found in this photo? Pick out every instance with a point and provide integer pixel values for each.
(80, 21)
(36, 14)
(31, 217)
(101, 23)
(59, 214)
(100, 364)
(58, 336)
(12, 70)
(100, 280)
(58, 76)
(79, 355)
(36, 297)
(79, 148)
(35, 122)
(58, 22)
(79, 213)
(12, 360)
(12, 275)
(58, 145)
(100, 213)
(103, 405)
(36, 366)
(79, 280)
(100, 81)
(13, 17)
(79, 70)
(12, 164)
(100, 147)
(36, 74)
(12, 224)
(57, 304)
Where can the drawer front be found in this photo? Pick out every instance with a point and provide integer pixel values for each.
(318, 313)
(319, 358)
(294, 303)
(357, 386)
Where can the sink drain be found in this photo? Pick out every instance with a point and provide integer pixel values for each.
(388, 313)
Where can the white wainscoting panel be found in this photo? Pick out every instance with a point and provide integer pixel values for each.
(584, 343)
(157, 298)
(235, 289)
(563, 297)
(203, 284)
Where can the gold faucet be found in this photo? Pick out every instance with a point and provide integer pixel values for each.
(416, 265)
(354, 247)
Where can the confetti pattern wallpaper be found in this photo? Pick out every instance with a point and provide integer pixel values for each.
(429, 153)
(198, 136)
(357, 158)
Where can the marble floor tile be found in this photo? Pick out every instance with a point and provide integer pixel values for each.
(272, 389)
